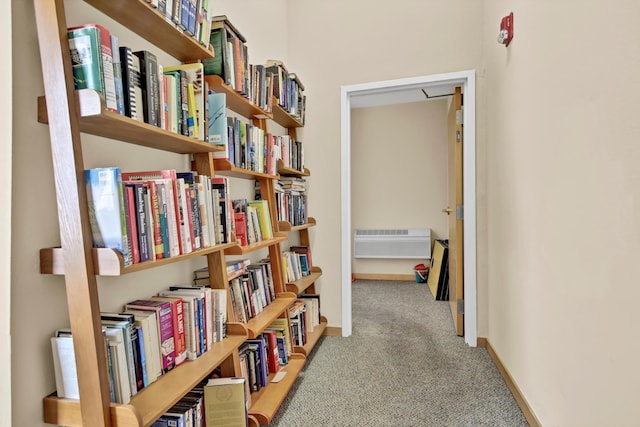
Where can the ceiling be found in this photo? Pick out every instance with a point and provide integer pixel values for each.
(400, 96)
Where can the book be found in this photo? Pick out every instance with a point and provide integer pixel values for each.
(125, 321)
(177, 314)
(165, 327)
(217, 118)
(88, 43)
(194, 208)
(171, 192)
(117, 74)
(273, 360)
(190, 310)
(115, 340)
(195, 90)
(148, 322)
(150, 86)
(264, 217)
(225, 402)
(105, 198)
(131, 84)
(64, 365)
(132, 222)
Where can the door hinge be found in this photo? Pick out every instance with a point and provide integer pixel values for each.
(460, 212)
(459, 117)
(460, 306)
(458, 136)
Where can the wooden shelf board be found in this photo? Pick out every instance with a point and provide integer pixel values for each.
(235, 101)
(152, 401)
(283, 118)
(225, 167)
(265, 403)
(271, 312)
(142, 19)
(286, 225)
(287, 171)
(299, 286)
(95, 119)
(312, 338)
(243, 250)
(109, 262)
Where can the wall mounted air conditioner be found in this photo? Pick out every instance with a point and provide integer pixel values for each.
(404, 243)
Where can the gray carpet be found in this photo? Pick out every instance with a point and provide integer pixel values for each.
(403, 366)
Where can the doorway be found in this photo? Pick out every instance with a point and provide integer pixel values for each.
(388, 92)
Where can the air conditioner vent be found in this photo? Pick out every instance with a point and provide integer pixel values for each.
(402, 243)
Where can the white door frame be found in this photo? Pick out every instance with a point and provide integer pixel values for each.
(466, 79)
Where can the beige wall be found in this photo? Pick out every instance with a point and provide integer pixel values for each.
(5, 216)
(557, 156)
(564, 206)
(336, 43)
(399, 174)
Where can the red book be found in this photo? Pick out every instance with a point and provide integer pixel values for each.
(240, 219)
(173, 219)
(179, 337)
(132, 224)
(272, 355)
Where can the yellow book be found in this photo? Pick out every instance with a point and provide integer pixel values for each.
(264, 217)
(225, 402)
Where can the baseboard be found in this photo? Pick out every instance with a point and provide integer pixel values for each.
(373, 276)
(332, 331)
(515, 391)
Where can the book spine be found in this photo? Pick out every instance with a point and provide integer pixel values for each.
(132, 226)
(150, 88)
(117, 74)
(107, 69)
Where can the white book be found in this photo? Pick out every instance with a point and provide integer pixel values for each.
(115, 339)
(189, 302)
(185, 220)
(149, 323)
(64, 364)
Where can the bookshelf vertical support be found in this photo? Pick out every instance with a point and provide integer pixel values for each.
(73, 218)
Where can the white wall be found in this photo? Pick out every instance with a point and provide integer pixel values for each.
(564, 206)
(399, 174)
(5, 215)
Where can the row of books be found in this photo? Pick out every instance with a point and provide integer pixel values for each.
(134, 84)
(291, 200)
(304, 316)
(231, 63)
(148, 338)
(252, 290)
(292, 154)
(296, 263)
(192, 17)
(252, 221)
(214, 402)
(158, 214)
(288, 90)
(234, 268)
(249, 147)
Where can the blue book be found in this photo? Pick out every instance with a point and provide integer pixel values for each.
(217, 118)
(143, 356)
(105, 199)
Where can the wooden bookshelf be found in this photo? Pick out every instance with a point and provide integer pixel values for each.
(283, 118)
(243, 250)
(271, 312)
(70, 114)
(95, 119)
(266, 401)
(286, 171)
(286, 225)
(109, 262)
(147, 22)
(152, 401)
(237, 102)
(299, 286)
(312, 337)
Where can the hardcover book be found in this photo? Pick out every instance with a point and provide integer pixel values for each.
(131, 84)
(105, 197)
(150, 86)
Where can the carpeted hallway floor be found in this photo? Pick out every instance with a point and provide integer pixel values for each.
(403, 366)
